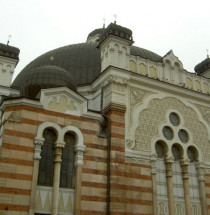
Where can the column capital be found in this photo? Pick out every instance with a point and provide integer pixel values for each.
(81, 148)
(79, 158)
(38, 141)
(169, 160)
(185, 162)
(153, 163)
(200, 169)
(38, 145)
(59, 144)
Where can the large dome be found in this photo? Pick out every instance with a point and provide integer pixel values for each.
(82, 62)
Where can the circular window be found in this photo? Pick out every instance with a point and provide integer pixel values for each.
(174, 119)
(168, 133)
(183, 136)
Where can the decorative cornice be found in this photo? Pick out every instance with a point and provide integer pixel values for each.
(115, 107)
(115, 79)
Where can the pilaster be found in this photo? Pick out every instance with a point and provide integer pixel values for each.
(154, 183)
(38, 144)
(80, 149)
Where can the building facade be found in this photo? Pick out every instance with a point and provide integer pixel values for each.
(104, 127)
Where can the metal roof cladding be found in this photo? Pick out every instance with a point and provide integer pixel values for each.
(203, 66)
(9, 51)
(81, 61)
(45, 77)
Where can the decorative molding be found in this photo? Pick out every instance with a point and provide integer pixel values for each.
(38, 144)
(205, 111)
(151, 118)
(15, 116)
(111, 79)
(137, 95)
(63, 100)
(129, 143)
(59, 144)
(43, 202)
(137, 158)
(79, 155)
(141, 161)
(116, 107)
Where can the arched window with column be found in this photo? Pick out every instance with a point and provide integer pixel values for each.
(193, 181)
(46, 164)
(161, 184)
(67, 175)
(178, 188)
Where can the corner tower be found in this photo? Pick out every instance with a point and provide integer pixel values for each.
(115, 44)
(203, 68)
(9, 57)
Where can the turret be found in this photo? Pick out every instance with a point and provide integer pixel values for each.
(9, 57)
(115, 43)
(203, 68)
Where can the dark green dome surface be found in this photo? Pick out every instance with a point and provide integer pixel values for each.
(45, 77)
(203, 66)
(82, 62)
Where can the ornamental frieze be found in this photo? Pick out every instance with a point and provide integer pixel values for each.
(151, 118)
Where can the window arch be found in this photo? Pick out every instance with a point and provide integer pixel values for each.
(67, 176)
(161, 184)
(46, 164)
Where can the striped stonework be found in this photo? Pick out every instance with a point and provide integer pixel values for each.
(130, 184)
(17, 154)
(207, 178)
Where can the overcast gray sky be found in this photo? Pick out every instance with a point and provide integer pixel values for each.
(38, 26)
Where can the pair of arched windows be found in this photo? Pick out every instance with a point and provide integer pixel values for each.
(46, 165)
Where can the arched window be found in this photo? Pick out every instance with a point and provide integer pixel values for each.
(68, 159)
(46, 165)
(178, 189)
(162, 198)
(193, 181)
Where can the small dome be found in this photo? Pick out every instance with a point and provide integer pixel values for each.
(117, 30)
(203, 66)
(99, 31)
(9, 51)
(45, 77)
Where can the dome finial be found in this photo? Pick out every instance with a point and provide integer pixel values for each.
(115, 18)
(104, 22)
(9, 37)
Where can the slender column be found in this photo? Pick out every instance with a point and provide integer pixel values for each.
(169, 177)
(202, 188)
(185, 178)
(78, 182)
(38, 144)
(154, 190)
(56, 178)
